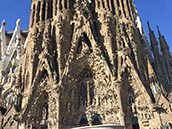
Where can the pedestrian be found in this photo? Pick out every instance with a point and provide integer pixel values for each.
(165, 125)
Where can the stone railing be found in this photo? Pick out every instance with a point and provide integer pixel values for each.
(101, 127)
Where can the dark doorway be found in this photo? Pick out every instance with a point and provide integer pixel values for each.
(83, 121)
(135, 123)
(96, 120)
(3, 110)
(44, 127)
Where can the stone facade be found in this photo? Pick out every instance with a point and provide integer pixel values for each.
(87, 63)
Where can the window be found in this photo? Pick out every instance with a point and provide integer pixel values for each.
(113, 8)
(43, 11)
(38, 11)
(14, 69)
(131, 103)
(86, 88)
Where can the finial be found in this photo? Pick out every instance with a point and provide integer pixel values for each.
(3, 23)
(18, 22)
(159, 32)
(149, 26)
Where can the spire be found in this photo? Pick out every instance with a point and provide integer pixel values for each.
(3, 38)
(149, 26)
(159, 32)
(16, 35)
(152, 36)
(162, 40)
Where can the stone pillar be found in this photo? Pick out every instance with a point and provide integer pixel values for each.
(54, 7)
(58, 112)
(106, 4)
(116, 7)
(88, 93)
(122, 120)
(46, 11)
(121, 8)
(126, 9)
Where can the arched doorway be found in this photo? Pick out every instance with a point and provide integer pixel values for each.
(96, 120)
(83, 121)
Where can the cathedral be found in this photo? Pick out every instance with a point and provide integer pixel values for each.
(84, 64)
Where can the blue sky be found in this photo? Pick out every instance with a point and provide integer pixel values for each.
(157, 12)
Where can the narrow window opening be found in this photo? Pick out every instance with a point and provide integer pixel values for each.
(87, 42)
(44, 116)
(135, 123)
(118, 3)
(72, 3)
(108, 4)
(38, 11)
(43, 11)
(56, 7)
(83, 94)
(60, 5)
(51, 9)
(86, 89)
(98, 4)
(49, 13)
(79, 49)
(65, 4)
(103, 4)
(113, 8)
(119, 12)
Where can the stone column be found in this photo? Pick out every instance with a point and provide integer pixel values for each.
(116, 7)
(121, 8)
(122, 120)
(126, 9)
(88, 93)
(106, 4)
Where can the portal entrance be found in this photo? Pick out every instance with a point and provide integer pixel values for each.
(83, 121)
(135, 123)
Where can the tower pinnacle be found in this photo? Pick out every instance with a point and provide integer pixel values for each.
(162, 40)
(3, 23)
(149, 26)
(159, 32)
(3, 39)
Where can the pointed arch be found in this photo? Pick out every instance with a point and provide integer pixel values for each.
(44, 70)
(96, 120)
(86, 92)
(83, 120)
(83, 40)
